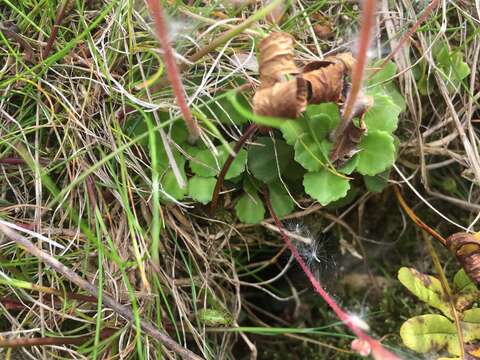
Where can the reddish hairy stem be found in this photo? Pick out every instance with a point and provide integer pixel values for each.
(56, 24)
(426, 13)
(367, 22)
(252, 129)
(378, 350)
(173, 73)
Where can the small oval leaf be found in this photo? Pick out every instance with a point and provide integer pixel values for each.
(325, 186)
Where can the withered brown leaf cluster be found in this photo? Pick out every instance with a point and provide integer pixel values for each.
(285, 90)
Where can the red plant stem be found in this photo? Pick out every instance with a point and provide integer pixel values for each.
(376, 347)
(367, 22)
(252, 129)
(56, 24)
(173, 73)
(426, 13)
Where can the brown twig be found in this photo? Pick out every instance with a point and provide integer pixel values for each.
(416, 219)
(251, 130)
(173, 73)
(57, 341)
(108, 301)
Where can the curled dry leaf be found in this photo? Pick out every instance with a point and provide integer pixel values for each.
(466, 248)
(276, 59)
(347, 145)
(279, 94)
(326, 78)
(284, 99)
(323, 27)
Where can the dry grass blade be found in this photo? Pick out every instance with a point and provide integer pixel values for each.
(124, 311)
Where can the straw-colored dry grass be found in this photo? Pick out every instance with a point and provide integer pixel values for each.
(69, 115)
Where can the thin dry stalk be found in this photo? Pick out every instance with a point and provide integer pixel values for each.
(122, 310)
(447, 290)
(426, 13)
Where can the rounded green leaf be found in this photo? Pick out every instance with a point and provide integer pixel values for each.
(250, 209)
(472, 315)
(428, 333)
(281, 202)
(322, 119)
(238, 164)
(266, 159)
(377, 153)
(205, 163)
(170, 186)
(383, 115)
(293, 129)
(386, 74)
(311, 154)
(376, 183)
(325, 187)
(350, 166)
(201, 188)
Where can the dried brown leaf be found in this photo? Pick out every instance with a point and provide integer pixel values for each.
(322, 27)
(326, 78)
(466, 248)
(283, 99)
(276, 59)
(347, 145)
